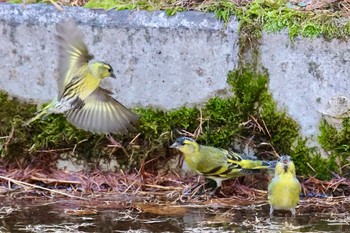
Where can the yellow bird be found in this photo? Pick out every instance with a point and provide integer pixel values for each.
(284, 189)
(80, 98)
(217, 164)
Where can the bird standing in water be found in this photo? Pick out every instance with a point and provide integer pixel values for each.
(217, 164)
(80, 98)
(284, 189)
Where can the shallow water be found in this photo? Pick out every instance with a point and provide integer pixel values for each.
(60, 216)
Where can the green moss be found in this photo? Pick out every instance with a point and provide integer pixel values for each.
(309, 161)
(271, 16)
(274, 16)
(154, 123)
(226, 115)
(17, 141)
(11, 114)
(336, 143)
(57, 133)
(133, 5)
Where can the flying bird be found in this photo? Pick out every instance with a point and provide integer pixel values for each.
(80, 98)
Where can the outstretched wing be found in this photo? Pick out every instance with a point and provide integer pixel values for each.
(73, 54)
(101, 113)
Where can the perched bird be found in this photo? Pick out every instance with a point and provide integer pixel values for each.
(284, 189)
(80, 98)
(217, 164)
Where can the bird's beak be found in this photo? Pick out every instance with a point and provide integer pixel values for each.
(174, 145)
(113, 76)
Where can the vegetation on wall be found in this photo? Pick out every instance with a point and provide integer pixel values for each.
(271, 16)
(336, 143)
(250, 115)
(297, 17)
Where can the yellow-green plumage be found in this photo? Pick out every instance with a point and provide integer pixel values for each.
(284, 189)
(80, 98)
(217, 164)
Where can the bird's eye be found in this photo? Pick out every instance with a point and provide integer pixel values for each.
(186, 142)
(109, 69)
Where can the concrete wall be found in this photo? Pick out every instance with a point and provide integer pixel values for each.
(159, 61)
(308, 77)
(168, 62)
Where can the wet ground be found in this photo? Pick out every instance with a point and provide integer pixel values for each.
(121, 215)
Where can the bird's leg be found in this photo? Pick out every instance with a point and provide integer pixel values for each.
(113, 142)
(195, 189)
(215, 189)
(271, 211)
(293, 211)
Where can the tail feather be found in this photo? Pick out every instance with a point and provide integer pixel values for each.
(250, 171)
(36, 117)
(43, 113)
(272, 164)
(254, 164)
(265, 164)
(237, 172)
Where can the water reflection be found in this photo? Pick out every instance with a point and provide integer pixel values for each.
(34, 216)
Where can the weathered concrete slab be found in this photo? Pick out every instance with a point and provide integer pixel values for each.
(167, 62)
(159, 61)
(308, 77)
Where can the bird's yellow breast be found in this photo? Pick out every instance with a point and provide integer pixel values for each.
(284, 192)
(88, 85)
